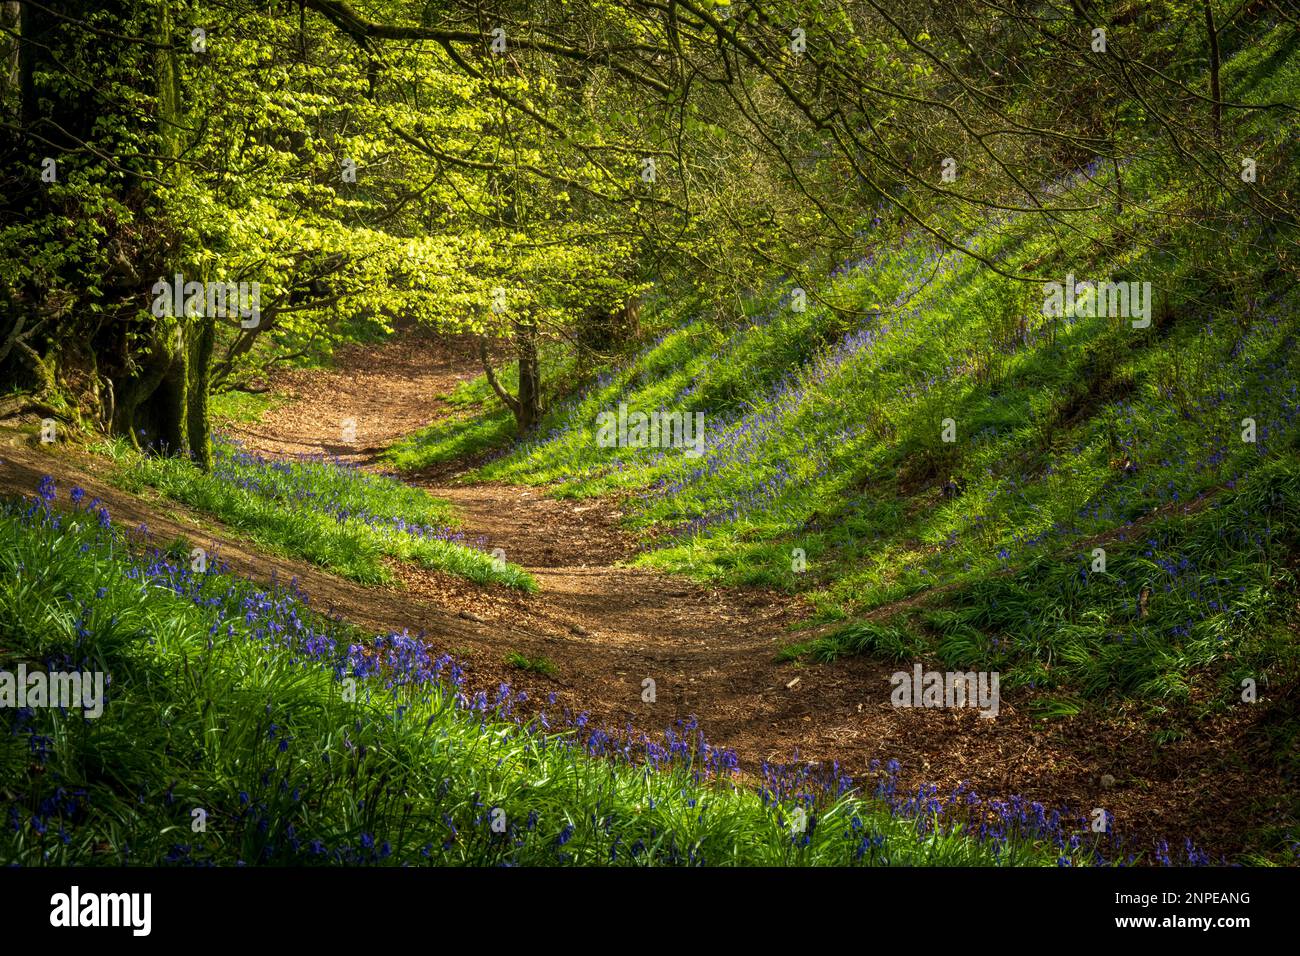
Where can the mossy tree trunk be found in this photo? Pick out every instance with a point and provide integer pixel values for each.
(154, 367)
(200, 430)
(152, 404)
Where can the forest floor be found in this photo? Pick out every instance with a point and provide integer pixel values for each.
(711, 651)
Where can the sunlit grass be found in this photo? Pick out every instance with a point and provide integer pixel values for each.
(333, 515)
(242, 728)
(826, 472)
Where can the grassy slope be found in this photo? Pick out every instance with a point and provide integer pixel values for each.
(242, 406)
(824, 435)
(328, 513)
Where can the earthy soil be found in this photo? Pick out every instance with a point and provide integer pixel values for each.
(383, 393)
(711, 651)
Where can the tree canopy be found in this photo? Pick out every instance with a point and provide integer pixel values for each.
(532, 171)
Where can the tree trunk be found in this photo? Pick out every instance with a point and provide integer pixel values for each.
(144, 360)
(151, 404)
(1212, 34)
(526, 407)
(529, 407)
(200, 428)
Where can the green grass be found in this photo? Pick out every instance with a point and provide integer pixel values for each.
(245, 407)
(826, 472)
(335, 516)
(481, 425)
(536, 665)
(1219, 585)
(298, 741)
(458, 438)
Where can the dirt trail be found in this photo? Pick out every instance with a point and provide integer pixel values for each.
(385, 394)
(710, 651)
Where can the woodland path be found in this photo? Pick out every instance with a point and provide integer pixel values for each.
(710, 650)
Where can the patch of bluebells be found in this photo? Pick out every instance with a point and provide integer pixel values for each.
(330, 486)
(277, 618)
